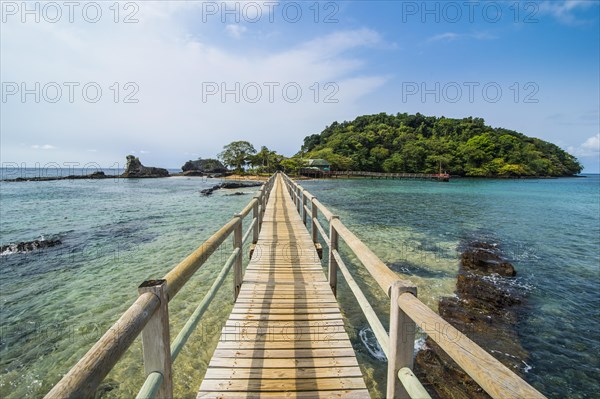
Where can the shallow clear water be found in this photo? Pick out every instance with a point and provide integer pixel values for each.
(116, 233)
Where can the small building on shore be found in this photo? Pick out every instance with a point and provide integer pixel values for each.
(315, 168)
(318, 164)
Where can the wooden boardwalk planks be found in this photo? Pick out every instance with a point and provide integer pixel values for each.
(285, 336)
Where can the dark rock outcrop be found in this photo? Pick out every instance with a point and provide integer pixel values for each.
(486, 309)
(28, 246)
(95, 175)
(483, 259)
(229, 185)
(135, 169)
(193, 173)
(205, 166)
(98, 175)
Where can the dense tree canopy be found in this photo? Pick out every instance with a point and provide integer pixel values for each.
(237, 154)
(266, 161)
(421, 144)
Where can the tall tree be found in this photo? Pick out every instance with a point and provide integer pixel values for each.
(237, 154)
(267, 161)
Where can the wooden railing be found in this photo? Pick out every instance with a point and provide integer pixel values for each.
(406, 313)
(149, 315)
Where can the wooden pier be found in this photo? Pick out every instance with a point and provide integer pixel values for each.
(285, 336)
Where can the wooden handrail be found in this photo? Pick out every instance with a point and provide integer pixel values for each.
(494, 377)
(180, 274)
(323, 210)
(85, 376)
(379, 270)
(407, 311)
(80, 382)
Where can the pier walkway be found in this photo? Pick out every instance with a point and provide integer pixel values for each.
(285, 335)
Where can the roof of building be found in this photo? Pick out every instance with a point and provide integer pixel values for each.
(317, 162)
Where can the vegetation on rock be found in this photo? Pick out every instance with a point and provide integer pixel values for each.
(204, 166)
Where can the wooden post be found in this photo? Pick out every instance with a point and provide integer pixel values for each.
(295, 193)
(304, 207)
(313, 209)
(156, 342)
(313, 229)
(333, 245)
(298, 201)
(255, 215)
(263, 204)
(402, 342)
(237, 266)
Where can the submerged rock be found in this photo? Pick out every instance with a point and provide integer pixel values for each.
(105, 387)
(135, 169)
(486, 309)
(28, 246)
(229, 185)
(483, 258)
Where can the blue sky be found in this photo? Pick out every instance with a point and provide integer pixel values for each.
(172, 81)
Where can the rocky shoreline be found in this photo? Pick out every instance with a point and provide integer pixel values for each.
(486, 308)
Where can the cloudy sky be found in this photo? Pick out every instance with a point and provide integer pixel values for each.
(171, 81)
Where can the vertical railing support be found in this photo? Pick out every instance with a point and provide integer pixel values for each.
(304, 207)
(333, 246)
(256, 217)
(156, 341)
(313, 229)
(402, 342)
(263, 202)
(237, 266)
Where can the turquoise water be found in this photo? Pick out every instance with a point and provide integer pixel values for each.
(55, 303)
(549, 229)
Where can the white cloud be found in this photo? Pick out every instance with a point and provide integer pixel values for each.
(170, 61)
(452, 36)
(43, 147)
(589, 148)
(447, 36)
(592, 143)
(235, 31)
(565, 11)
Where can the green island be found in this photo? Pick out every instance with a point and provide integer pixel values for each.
(425, 144)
